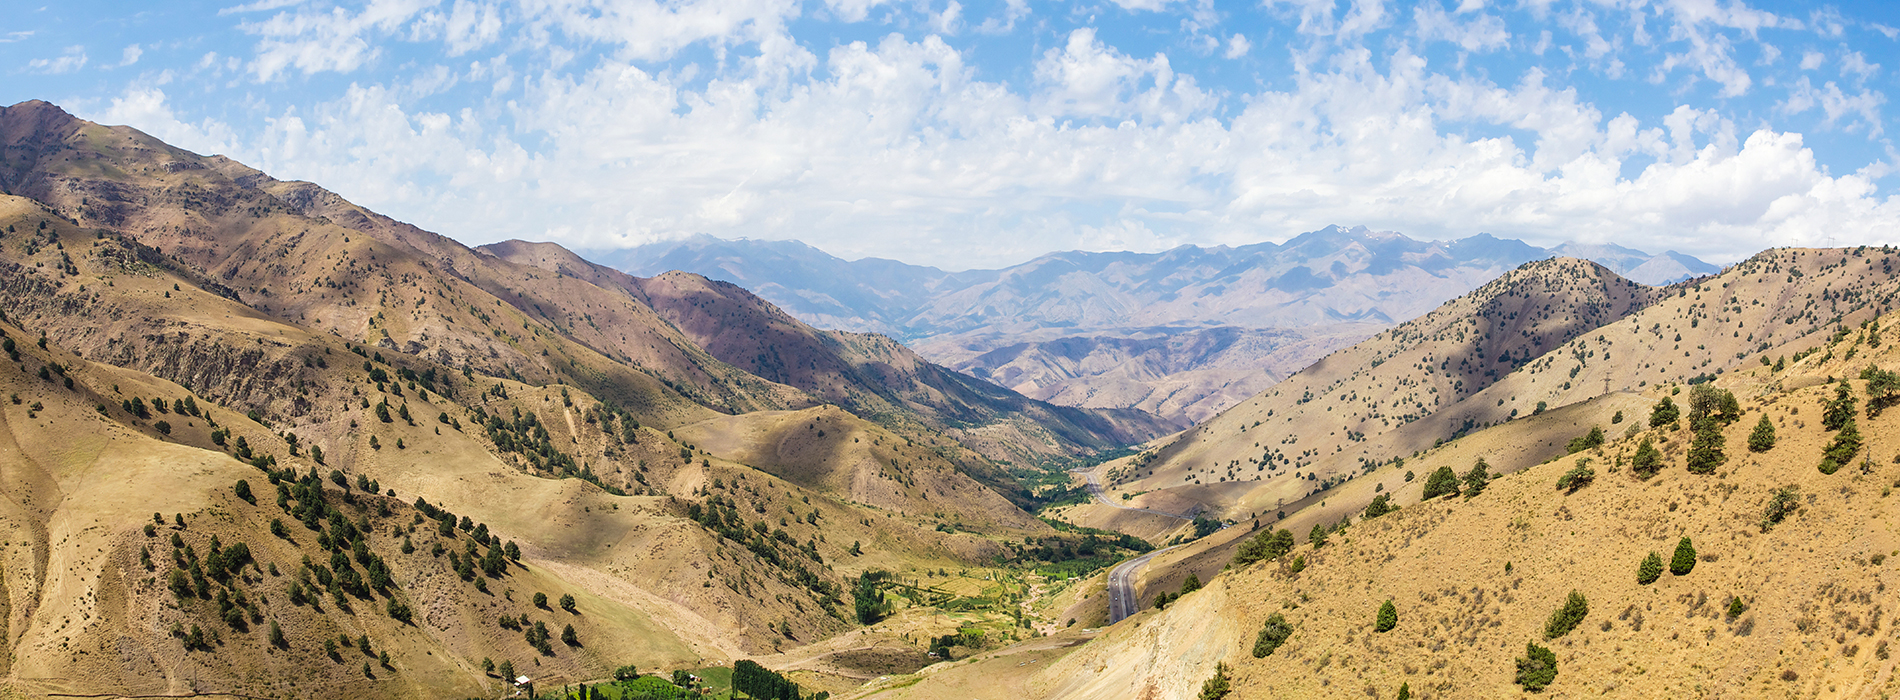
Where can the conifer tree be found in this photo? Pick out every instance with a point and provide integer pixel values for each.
(1567, 617)
(1317, 537)
(1440, 483)
(1388, 617)
(1648, 459)
(1272, 635)
(1705, 450)
(1650, 570)
(1846, 444)
(1537, 668)
(1762, 439)
(1841, 409)
(1476, 479)
(1684, 560)
(1664, 413)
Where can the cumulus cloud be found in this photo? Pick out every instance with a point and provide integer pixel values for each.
(610, 122)
(1237, 46)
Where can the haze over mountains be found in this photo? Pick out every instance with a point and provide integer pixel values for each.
(1183, 333)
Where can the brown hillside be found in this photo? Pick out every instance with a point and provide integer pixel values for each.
(868, 374)
(1326, 423)
(1475, 579)
(536, 408)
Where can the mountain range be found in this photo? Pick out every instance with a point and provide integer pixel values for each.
(262, 441)
(259, 441)
(1183, 333)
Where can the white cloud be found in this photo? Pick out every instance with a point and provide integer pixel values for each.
(1853, 62)
(590, 124)
(1237, 46)
(1322, 18)
(1143, 5)
(852, 10)
(1836, 104)
(950, 20)
(1483, 33)
(70, 60)
(1087, 78)
(129, 56)
(146, 109)
(1710, 53)
(1013, 10)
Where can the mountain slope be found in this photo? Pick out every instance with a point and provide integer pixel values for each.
(1387, 397)
(1473, 580)
(867, 374)
(200, 323)
(1468, 366)
(1333, 287)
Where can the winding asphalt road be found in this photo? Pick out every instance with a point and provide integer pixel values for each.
(1122, 596)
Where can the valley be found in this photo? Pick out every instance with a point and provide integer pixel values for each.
(262, 442)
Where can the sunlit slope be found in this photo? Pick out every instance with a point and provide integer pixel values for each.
(1466, 366)
(866, 373)
(1325, 423)
(305, 256)
(1473, 580)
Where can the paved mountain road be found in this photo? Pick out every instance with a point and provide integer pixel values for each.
(1122, 596)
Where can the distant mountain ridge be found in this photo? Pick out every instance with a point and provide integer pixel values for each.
(1132, 330)
(913, 302)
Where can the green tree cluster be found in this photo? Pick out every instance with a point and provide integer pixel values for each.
(1567, 617)
(1268, 544)
(1648, 459)
(1664, 413)
(1272, 634)
(1442, 482)
(1589, 440)
(759, 682)
(1217, 687)
(1840, 410)
(1380, 505)
(1477, 478)
(1537, 668)
(1578, 477)
(1846, 444)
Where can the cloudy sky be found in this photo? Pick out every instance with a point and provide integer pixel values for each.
(972, 133)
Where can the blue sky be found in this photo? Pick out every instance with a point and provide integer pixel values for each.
(972, 133)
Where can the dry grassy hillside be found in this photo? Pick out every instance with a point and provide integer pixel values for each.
(1187, 375)
(1473, 580)
(298, 259)
(1552, 334)
(866, 373)
(1331, 420)
(336, 349)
